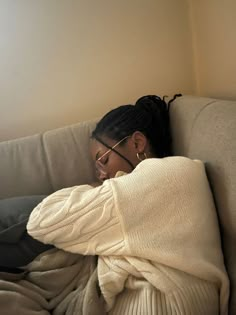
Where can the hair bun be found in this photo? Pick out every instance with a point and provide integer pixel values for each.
(146, 98)
(151, 103)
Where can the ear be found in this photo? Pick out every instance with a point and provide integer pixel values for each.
(139, 141)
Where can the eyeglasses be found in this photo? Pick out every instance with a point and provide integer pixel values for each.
(111, 149)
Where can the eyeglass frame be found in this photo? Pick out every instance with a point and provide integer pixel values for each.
(112, 148)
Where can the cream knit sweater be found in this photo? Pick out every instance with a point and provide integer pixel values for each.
(156, 233)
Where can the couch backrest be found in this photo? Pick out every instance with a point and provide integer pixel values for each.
(205, 129)
(44, 163)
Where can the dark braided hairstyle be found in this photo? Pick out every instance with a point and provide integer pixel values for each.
(149, 115)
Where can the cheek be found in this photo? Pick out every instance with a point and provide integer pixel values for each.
(117, 164)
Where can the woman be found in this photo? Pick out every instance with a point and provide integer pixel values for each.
(152, 222)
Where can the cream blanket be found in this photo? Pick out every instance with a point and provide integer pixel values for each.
(56, 282)
(156, 233)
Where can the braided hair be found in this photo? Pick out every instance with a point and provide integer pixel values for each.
(149, 115)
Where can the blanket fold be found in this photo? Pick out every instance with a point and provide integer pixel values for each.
(56, 282)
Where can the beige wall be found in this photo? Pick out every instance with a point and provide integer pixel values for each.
(63, 61)
(214, 40)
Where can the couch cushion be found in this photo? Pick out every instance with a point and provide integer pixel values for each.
(205, 129)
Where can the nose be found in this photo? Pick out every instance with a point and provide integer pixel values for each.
(101, 173)
(102, 177)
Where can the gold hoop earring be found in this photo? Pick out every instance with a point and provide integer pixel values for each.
(144, 157)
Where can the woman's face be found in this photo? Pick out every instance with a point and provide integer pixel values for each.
(108, 162)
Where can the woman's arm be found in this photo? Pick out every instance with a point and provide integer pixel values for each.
(80, 219)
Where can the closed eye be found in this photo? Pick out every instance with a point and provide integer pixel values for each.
(104, 160)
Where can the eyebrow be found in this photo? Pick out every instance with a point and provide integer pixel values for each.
(97, 155)
(104, 153)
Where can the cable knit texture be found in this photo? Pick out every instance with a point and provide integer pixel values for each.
(155, 231)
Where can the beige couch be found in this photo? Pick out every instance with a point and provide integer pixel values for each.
(202, 128)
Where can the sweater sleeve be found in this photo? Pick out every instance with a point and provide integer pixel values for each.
(80, 219)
